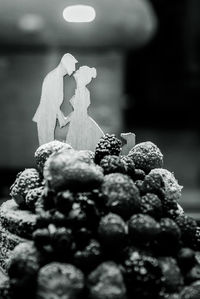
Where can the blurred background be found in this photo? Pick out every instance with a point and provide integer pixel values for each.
(147, 56)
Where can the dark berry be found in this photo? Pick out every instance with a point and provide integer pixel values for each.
(173, 279)
(143, 228)
(107, 145)
(138, 175)
(26, 180)
(188, 227)
(150, 204)
(64, 201)
(193, 274)
(186, 258)
(142, 275)
(112, 230)
(32, 196)
(120, 194)
(106, 281)
(112, 164)
(88, 257)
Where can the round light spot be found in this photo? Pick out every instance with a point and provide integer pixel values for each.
(79, 14)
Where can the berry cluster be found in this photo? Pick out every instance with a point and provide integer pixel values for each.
(109, 226)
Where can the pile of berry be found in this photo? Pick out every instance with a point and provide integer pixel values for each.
(109, 227)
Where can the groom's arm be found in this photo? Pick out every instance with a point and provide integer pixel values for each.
(62, 119)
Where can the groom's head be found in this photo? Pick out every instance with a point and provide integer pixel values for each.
(69, 62)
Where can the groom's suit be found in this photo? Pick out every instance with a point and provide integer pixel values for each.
(49, 108)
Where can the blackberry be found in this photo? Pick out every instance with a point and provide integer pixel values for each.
(120, 194)
(112, 231)
(130, 166)
(64, 201)
(46, 202)
(143, 228)
(107, 145)
(88, 257)
(111, 164)
(25, 180)
(82, 237)
(197, 238)
(188, 227)
(186, 258)
(170, 234)
(150, 204)
(55, 280)
(41, 237)
(139, 185)
(62, 243)
(32, 196)
(146, 156)
(106, 281)
(89, 207)
(77, 218)
(46, 150)
(153, 183)
(139, 174)
(142, 275)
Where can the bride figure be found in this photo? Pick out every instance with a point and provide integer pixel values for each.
(83, 132)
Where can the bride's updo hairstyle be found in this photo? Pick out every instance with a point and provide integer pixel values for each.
(86, 73)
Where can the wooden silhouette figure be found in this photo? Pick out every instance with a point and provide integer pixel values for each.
(83, 133)
(49, 111)
(129, 139)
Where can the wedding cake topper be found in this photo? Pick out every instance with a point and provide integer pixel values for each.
(83, 132)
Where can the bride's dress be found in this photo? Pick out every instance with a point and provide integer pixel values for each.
(84, 132)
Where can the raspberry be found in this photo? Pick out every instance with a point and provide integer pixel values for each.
(146, 156)
(143, 228)
(107, 145)
(25, 180)
(190, 292)
(55, 280)
(69, 170)
(23, 268)
(168, 183)
(46, 150)
(32, 196)
(106, 281)
(186, 258)
(112, 230)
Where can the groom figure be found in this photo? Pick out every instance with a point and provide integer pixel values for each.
(49, 111)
